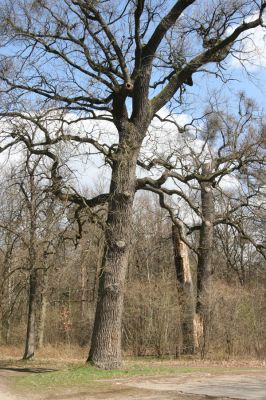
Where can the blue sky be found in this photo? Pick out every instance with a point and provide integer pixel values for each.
(249, 77)
(254, 86)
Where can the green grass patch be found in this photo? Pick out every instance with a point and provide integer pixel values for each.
(86, 374)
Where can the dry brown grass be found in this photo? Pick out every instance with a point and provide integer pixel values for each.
(59, 352)
(55, 357)
(64, 355)
(10, 352)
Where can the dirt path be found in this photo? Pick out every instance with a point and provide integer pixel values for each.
(250, 385)
(243, 385)
(5, 393)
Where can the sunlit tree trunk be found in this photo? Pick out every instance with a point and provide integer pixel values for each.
(105, 349)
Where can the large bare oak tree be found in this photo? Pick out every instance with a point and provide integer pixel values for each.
(116, 61)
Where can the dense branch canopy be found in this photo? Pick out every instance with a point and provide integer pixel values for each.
(121, 62)
(81, 54)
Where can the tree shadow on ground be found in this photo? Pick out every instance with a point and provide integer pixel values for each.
(29, 369)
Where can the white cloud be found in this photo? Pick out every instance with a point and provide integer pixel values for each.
(164, 139)
(86, 165)
(230, 184)
(252, 49)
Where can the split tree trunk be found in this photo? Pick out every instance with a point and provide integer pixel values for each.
(186, 292)
(204, 271)
(105, 349)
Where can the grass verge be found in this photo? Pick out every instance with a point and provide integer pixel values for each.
(86, 375)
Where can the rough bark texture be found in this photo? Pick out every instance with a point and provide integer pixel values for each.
(32, 305)
(204, 271)
(186, 292)
(105, 349)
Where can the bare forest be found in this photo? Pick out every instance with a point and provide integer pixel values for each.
(133, 182)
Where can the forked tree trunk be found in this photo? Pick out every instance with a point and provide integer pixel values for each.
(105, 351)
(32, 305)
(186, 292)
(204, 271)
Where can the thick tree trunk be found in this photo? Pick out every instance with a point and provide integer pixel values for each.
(105, 351)
(186, 292)
(32, 305)
(204, 271)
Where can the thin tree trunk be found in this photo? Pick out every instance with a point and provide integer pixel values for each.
(1, 325)
(84, 288)
(43, 309)
(32, 300)
(9, 294)
(186, 292)
(204, 270)
(105, 351)
(9, 310)
(30, 335)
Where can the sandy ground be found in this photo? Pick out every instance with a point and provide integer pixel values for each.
(247, 384)
(250, 385)
(5, 392)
